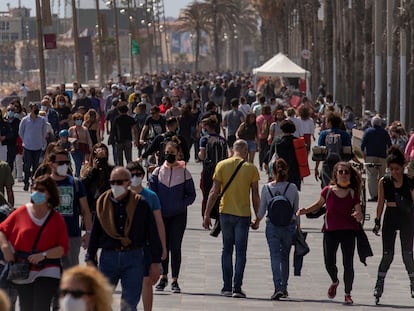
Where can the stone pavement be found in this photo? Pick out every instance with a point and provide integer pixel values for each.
(200, 277)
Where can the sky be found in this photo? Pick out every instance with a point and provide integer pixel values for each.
(172, 7)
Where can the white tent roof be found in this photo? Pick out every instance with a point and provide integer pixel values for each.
(281, 65)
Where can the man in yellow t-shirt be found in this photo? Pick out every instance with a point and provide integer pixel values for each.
(235, 215)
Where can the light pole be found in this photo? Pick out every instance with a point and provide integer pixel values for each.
(112, 3)
(41, 57)
(76, 40)
(100, 53)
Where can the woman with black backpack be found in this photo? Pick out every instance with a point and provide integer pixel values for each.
(343, 214)
(279, 201)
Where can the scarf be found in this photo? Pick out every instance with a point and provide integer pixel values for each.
(104, 212)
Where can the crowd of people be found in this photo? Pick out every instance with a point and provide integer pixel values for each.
(60, 152)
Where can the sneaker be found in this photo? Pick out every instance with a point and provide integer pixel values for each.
(277, 295)
(161, 284)
(238, 294)
(285, 294)
(348, 299)
(332, 290)
(175, 288)
(226, 293)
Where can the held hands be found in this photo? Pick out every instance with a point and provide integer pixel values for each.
(254, 224)
(301, 211)
(377, 227)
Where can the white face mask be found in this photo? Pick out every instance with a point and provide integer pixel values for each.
(136, 181)
(69, 303)
(62, 170)
(118, 190)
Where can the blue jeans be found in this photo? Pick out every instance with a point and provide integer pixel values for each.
(78, 157)
(30, 161)
(127, 266)
(235, 232)
(279, 240)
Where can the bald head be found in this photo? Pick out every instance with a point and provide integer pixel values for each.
(120, 172)
(240, 148)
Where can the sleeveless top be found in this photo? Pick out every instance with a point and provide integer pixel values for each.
(390, 190)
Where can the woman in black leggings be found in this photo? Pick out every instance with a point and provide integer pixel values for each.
(396, 191)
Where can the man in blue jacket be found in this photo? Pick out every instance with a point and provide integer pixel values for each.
(374, 145)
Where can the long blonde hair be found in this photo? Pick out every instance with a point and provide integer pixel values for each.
(95, 282)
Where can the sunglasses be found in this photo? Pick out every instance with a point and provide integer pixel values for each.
(62, 162)
(343, 172)
(73, 293)
(118, 181)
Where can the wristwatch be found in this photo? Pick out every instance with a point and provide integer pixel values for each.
(44, 254)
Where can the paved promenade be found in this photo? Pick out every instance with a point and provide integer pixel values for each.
(200, 278)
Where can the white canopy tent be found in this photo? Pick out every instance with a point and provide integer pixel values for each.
(281, 66)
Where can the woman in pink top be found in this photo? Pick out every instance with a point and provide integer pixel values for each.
(343, 214)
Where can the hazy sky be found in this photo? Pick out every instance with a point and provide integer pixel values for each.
(172, 7)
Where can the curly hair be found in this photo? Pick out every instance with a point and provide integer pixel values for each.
(95, 283)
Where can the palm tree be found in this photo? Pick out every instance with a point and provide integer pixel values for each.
(274, 16)
(193, 19)
(219, 14)
(243, 30)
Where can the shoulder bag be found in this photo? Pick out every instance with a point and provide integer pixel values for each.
(20, 270)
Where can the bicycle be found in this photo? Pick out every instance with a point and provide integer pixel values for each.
(361, 167)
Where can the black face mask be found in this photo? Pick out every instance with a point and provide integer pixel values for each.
(170, 158)
(36, 111)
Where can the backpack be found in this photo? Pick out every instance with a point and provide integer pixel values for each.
(333, 143)
(216, 150)
(218, 91)
(279, 209)
(265, 128)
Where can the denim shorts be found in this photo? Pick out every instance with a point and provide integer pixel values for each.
(251, 145)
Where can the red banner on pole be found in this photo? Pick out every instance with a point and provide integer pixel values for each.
(50, 41)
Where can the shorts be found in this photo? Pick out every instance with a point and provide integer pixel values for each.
(230, 140)
(251, 145)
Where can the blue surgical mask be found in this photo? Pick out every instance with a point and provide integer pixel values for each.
(38, 197)
(10, 114)
(78, 122)
(16, 115)
(204, 132)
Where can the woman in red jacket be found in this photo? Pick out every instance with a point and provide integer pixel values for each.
(17, 238)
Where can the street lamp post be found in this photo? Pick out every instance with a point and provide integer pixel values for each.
(40, 48)
(112, 3)
(100, 53)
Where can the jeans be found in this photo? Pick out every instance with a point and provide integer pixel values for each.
(331, 241)
(37, 295)
(264, 148)
(30, 161)
(78, 157)
(124, 147)
(280, 240)
(235, 232)
(11, 155)
(127, 266)
(174, 233)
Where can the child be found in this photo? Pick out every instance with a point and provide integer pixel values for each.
(64, 141)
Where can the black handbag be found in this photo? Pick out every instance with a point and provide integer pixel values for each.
(20, 269)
